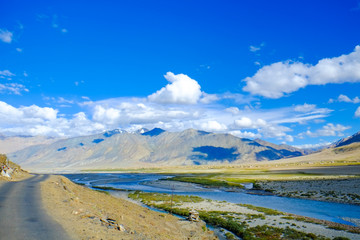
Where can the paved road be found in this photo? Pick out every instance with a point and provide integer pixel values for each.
(22, 216)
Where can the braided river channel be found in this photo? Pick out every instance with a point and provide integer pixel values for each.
(335, 212)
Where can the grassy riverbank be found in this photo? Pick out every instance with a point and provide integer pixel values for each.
(247, 221)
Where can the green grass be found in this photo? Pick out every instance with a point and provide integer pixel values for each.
(109, 188)
(225, 219)
(147, 198)
(267, 211)
(206, 181)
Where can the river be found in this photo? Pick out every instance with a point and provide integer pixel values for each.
(335, 212)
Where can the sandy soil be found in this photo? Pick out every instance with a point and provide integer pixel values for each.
(333, 190)
(19, 175)
(88, 214)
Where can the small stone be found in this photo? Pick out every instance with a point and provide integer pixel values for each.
(75, 212)
(121, 228)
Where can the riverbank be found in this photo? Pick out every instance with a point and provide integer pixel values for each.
(247, 221)
(339, 184)
(89, 214)
(332, 190)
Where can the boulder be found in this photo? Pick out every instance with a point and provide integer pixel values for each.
(193, 216)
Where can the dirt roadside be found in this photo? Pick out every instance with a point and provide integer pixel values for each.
(88, 214)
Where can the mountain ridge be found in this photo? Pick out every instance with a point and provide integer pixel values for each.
(156, 147)
(348, 140)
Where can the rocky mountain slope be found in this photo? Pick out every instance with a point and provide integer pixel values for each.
(154, 148)
(16, 143)
(346, 151)
(346, 141)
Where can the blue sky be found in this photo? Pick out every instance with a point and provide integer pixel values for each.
(284, 71)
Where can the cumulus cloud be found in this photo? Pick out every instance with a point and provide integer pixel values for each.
(34, 111)
(357, 112)
(313, 146)
(13, 88)
(35, 120)
(133, 113)
(305, 108)
(245, 134)
(329, 129)
(124, 112)
(25, 114)
(181, 90)
(281, 78)
(106, 115)
(6, 36)
(209, 98)
(212, 126)
(275, 131)
(344, 98)
(246, 122)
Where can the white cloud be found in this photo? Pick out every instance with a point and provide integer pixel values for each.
(209, 98)
(305, 108)
(6, 73)
(64, 30)
(329, 129)
(344, 98)
(6, 36)
(107, 116)
(35, 120)
(254, 49)
(34, 111)
(274, 131)
(357, 112)
(130, 113)
(279, 79)
(19, 49)
(13, 88)
(244, 122)
(245, 134)
(313, 146)
(181, 90)
(212, 126)
(63, 100)
(289, 138)
(233, 110)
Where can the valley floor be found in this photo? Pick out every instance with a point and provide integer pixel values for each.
(250, 222)
(342, 190)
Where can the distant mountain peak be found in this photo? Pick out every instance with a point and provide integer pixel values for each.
(112, 132)
(141, 130)
(153, 132)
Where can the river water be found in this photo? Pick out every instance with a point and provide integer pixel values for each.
(335, 212)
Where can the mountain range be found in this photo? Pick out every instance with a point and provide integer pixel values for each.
(154, 148)
(148, 148)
